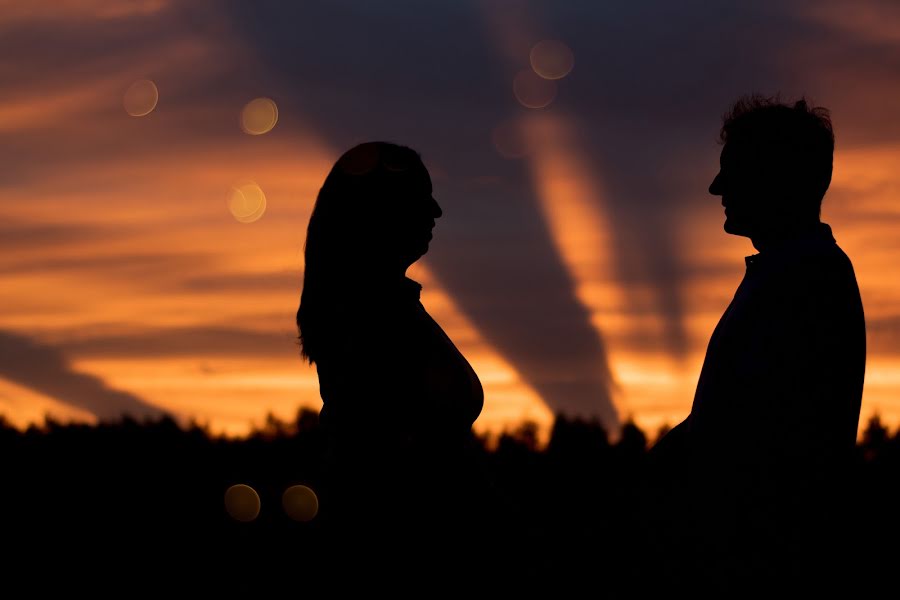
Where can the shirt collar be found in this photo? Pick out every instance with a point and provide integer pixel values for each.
(806, 243)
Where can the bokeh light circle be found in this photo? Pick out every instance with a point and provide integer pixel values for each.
(300, 503)
(552, 59)
(533, 91)
(242, 502)
(246, 201)
(259, 116)
(509, 140)
(140, 98)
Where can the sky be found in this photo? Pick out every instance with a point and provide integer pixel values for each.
(580, 263)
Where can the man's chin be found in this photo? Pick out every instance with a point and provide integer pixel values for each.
(735, 228)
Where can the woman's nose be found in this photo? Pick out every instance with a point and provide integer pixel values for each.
(436, 211)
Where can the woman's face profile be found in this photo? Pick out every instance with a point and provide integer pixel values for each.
(411, 214)
(385, 210)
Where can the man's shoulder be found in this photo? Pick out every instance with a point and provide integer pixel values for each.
(814, 278)
(812, 257)
(823, 282)
(830, 264)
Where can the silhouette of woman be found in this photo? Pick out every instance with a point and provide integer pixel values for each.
(399, 399)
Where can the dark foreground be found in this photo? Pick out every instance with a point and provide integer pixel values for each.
(131, 508)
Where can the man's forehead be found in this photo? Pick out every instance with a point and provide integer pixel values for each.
(734, 151)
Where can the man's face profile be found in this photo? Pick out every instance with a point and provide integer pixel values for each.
(746, 188)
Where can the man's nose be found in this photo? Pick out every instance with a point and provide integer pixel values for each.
(716, 188)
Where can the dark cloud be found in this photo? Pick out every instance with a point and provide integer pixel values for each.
(59, 48)
(125, 266)
(185, 341)
(45, 369)
(847, 59)
(650, 83)
(884, 335)
(16, 233)
(274, 281)
(78, 69)
(508, 278)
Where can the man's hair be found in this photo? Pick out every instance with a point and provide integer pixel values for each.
(797, 138)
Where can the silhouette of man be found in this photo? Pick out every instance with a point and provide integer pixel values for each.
(760, 458)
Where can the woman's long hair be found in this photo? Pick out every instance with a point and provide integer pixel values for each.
(343, 232)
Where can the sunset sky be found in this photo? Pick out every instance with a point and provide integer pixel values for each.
(580, 263)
